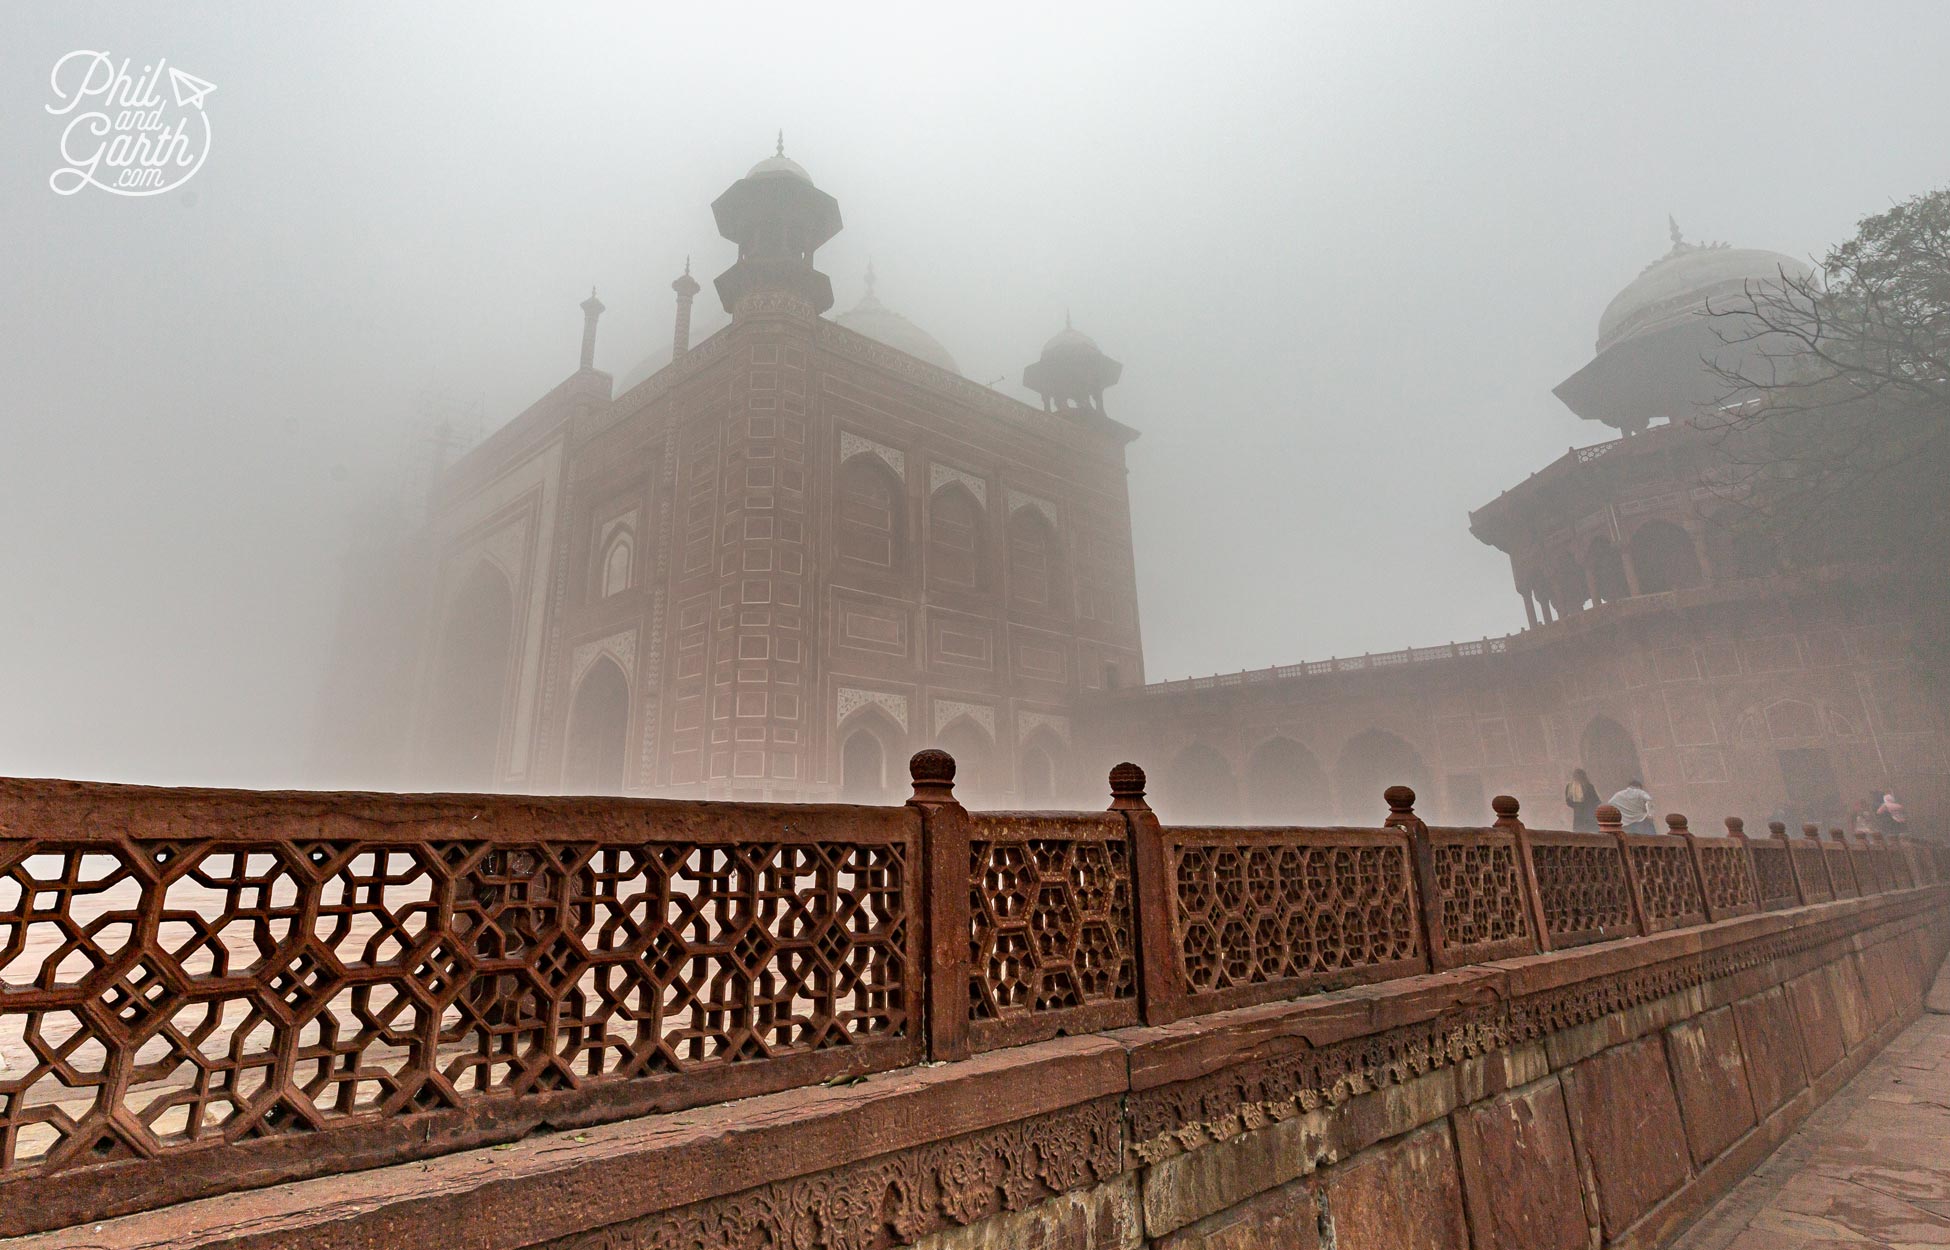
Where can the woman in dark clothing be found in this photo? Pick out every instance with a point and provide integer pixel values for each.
(1582, 798)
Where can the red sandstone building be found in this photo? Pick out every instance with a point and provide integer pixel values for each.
(804, 547)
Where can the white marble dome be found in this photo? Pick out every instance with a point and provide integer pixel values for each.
(1679, 284)
(882, 324)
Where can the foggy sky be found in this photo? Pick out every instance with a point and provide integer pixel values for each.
(1343, 251)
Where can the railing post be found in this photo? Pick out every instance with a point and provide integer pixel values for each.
(1506, 808)
(1848, 857)
(1812, 832)
(1401, 815)
(1610, 821)
(1676, 826)
(1737, 830)
(1162, 995)
(1777, 830)
(945, 870)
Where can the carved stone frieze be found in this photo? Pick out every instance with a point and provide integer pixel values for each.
(947, 710)
(940, 475)
(852, 445)
(851, 699)
(1172, 1119)
(895, 1198)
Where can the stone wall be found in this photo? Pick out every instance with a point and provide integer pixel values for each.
(1600, 1095)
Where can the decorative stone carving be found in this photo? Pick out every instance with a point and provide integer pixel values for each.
(1028, 723)
(947, 710)
(940, 475)
(852, 445)
(852, 699)
(620, 647)
(894, 1199)
(1019, 500)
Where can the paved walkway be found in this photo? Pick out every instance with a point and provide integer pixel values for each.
(1870, 1170)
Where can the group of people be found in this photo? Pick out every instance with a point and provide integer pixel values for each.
(1880, 813)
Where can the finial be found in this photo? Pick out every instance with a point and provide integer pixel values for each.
(870, 275)
(1672, 228)
(687, 266)
(1066, 320)
(781, 151)
(592, 290)
(933, 772)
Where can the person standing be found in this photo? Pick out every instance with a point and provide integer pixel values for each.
(1634, 806)
(1890, 814)
(1582, 798)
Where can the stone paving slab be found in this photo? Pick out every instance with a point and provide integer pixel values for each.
(1870, 1170)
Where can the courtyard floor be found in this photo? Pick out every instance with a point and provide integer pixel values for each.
(1870, 1169)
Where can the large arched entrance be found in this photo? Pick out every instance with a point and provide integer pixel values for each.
(1372, 761)
(1285, 785)
(1664, 558)
(1609, 756)
(1198, 788)
(869, 757)
(470, 683)
(599, 730)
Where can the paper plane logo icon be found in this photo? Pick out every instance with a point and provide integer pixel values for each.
(189, 89)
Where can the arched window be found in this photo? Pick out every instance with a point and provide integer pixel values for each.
(1199, 787)
(599, 730)
(1372, 761)
(1037, 768)
(1664, 557)
(863, 766)
(1608, 756)
(470, 683)
(1608, 570)
(1285, 786)
(618, 562)
(871, 521)
(970, 745)
(955, 546)
(1035, 574)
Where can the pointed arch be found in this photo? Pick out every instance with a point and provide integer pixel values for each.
(1036, 573)
(1608, 755)
(599, 730)
(870, 756)
(1372, 761)
(619, 562)
(470, 683)
(957, 539)
(1039, 767)
(1285, 785)
(872, 513)
(1664, 558)
(1198, 787)
(973, 749)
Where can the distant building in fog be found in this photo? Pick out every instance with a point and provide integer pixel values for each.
(779, 560)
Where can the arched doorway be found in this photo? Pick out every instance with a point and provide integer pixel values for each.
(1035, 573)
(1664, 558)
(872, 521)
(1608, 570)
(1372, 761)
(1609, 756)
(470, 683)
(864, 753)
(1285, 785)
(1199, 788)
(969, 744)
(599, 731)
(956, 551)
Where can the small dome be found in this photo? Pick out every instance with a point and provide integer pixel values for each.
(883, 325)
(1070, 342)
(774, 165)
(1679, 284)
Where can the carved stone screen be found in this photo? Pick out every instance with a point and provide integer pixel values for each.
(1582, 885)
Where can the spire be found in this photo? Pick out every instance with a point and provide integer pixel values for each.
(686, 286)
(781, 149)
(1672, 228)
(592, 308)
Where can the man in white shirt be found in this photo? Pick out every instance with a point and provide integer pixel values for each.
(1634, 806)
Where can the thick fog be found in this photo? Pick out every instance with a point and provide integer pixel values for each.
(1344, 253)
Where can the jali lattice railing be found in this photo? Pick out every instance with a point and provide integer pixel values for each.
(201, 990)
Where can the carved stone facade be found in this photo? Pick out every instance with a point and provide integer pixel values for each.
(790, 539)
